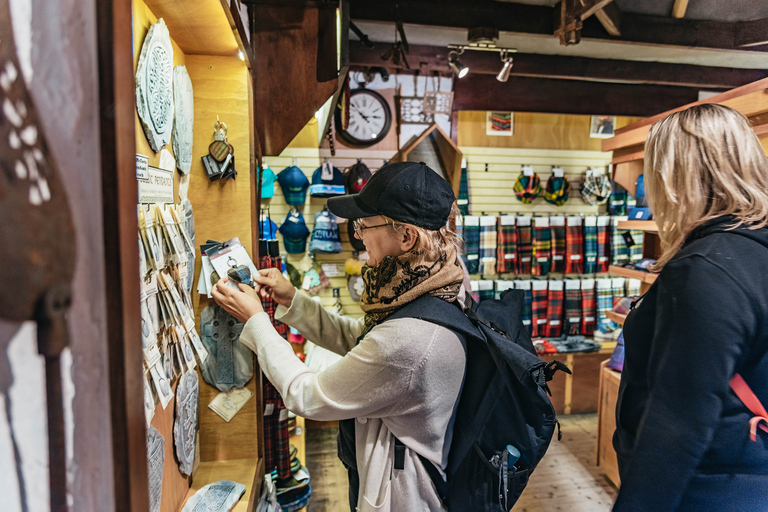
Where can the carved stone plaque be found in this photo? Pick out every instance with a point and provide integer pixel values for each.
(185, 425)
(219, 496)
(155, 459)
(184, 118)
(154, 86)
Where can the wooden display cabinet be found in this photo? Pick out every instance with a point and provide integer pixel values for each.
(608, 394)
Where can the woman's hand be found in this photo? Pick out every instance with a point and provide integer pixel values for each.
(241, 304)
(271, 284)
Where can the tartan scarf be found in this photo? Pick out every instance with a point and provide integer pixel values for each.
(573, 249)
(506, 247)
(572, 308)
(588, 309)
(397, 280)
(558, 249)
(542, 245)
(590, 249)
(603, 249)
(524, 248)
(554, 326)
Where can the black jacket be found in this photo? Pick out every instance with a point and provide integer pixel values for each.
(682, 436)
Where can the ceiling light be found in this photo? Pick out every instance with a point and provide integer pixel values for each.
(241, 55)
(503, 75)
(457, 67)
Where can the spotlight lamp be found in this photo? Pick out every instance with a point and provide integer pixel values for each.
(456, 65)
(506, 67)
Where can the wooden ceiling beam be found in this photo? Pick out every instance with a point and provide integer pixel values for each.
(752, 33)
(610, 18)
(536, 19)
(435, 58)
(484, 92)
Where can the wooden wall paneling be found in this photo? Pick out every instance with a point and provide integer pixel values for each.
(291, 69)
(626, 174)
(586, 381)
(533, 130)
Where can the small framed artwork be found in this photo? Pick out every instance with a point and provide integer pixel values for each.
(499, 123)
(602, 127)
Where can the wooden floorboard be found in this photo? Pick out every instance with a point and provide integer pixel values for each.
(566, 479)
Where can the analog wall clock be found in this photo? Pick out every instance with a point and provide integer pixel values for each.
(370, 119)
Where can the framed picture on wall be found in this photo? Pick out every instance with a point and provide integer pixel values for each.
(602, 127)
(499, 123)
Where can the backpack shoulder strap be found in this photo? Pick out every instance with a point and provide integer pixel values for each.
(437, 311)
(749, 399)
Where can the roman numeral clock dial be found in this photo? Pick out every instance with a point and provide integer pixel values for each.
(369, 119)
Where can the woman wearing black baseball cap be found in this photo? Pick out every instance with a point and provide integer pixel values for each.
(398, 378)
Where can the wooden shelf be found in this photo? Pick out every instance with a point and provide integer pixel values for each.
(648, 226)
(645, 277)
(616, 317)
(242, 471)
(299, 440)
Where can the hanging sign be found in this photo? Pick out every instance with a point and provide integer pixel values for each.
(157, 188)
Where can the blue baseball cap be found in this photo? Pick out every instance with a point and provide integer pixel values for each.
(294, 185)
(295, 233)
(267, 183)
(268, 230)
(327, 181)
(325, 234)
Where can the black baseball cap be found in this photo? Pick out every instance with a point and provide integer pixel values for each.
(408, 192)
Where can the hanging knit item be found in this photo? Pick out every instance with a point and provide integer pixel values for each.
(603, 244)
(574, 259)
(524, 244)
(527, 188)
(588, 307)
(557, 190)
(538, 307)
(472, 243)
(506, 245)
(542, 246)
(487, 244)
(554, 325)
(572, 307)
(527, 303)
(557, 229)
(590, 244)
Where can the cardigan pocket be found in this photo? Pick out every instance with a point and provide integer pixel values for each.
(386, 503)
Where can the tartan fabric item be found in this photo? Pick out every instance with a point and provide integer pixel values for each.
(487, 244)
(588, 307)
(603, 245)
(485, 290)
(554, 326)
(636, 251)
(463, 201)
(527, 303)
(604, 304)
(524, 245)
(277, 451)
(590, 245)
(557, 190)
(633, 287)
(542, 247)
(506, 245)
(557, 231)
(572, 307)
(617, 205)
(280, 327)
(527, 188)
(501, 286)
(618, 288)
(619, 251)
(538, 308)
(472, 243)
(574, 259)
(596, 188)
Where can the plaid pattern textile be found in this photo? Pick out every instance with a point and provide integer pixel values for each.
(554, 325)
(487, 244)
(590, 245)
(636, 251)
(574, 259)
(572, 307)
(485, 290)
(595, 189)
(506, 245)
(617, 204)
(542, 248)
(557, 190)
(277, 451)
(588, 307)
(619, 251)
(604, 304)
(633, 287)
(524, 245)
(527, 188)
(463, 199)
(618, 288)
(557, 231)
(472, 244)
(538, 308)
(603, 245)
(527, 303)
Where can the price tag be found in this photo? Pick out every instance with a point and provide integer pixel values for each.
(142, 167)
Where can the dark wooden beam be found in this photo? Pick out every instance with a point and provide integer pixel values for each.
(592, 6)
(752, 33)
(484, 92)
(435, 58)
(536, 19)
(610, 18)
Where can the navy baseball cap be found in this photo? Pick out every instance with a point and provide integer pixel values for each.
(407, 192)
(295, 233)
(327, 181)
(294, 185)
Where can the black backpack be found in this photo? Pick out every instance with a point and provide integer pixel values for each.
(503, 402)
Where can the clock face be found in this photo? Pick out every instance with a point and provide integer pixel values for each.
(369, 119)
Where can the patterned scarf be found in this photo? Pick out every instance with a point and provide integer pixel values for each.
(396, 281)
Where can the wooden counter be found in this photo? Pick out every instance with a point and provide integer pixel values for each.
(606, 421)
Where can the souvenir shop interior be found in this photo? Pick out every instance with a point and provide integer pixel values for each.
(247, 116)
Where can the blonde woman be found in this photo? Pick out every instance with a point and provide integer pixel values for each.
(399, 378)
(682, 435)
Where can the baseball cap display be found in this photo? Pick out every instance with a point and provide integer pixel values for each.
(356, 178)
(527, 188)
(294, 185)
(268, 229)
(325, 234)
(557, 190)
(596, 188)
(405, 191)
(267, 183)
(295, 232)
(327, 181)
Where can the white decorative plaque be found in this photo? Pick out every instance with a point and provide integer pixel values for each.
(154, 86)
(184, 108)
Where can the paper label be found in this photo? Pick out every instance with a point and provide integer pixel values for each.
(142, 167)
(157, 187)
(283, 415)
(575, 257)
(269, 409)
(509, 256)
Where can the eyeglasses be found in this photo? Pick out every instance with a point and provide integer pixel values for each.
(359, 227)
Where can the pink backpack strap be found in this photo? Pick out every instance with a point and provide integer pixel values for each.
(748, 397)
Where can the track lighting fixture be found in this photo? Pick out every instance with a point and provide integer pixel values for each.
(457, 67)
(506, 67)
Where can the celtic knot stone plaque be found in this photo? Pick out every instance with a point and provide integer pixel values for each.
(154, 86)
(155, 459)
(184, 108)
(185, 425)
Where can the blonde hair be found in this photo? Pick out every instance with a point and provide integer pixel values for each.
(702, 163)
(431, 242)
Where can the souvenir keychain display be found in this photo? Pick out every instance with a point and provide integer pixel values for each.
(219, 163)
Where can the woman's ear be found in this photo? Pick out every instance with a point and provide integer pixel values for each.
(409, 238)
